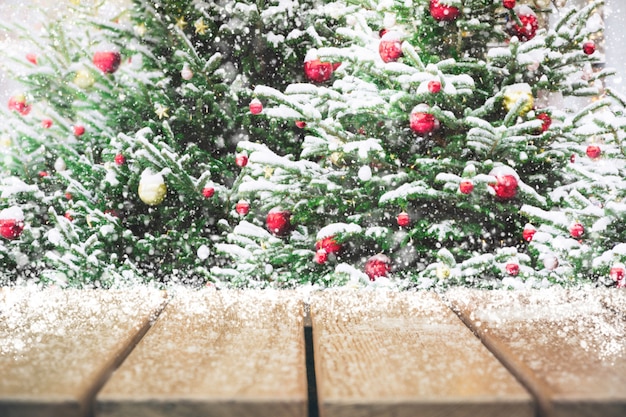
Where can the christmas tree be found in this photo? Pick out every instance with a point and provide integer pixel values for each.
(119, 154)
(411, 144)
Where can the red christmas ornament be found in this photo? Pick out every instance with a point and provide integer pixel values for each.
(403, 219)
(572, 158)
(241, 160)
(505, 186)
(508, 4)
(512, 269)
(107, 61)
(377, 266)
(442, 12)
(43, 174)
(79, 130)
(589, 47)
(32, 58)
(528, 232)
(593, 151)
(529, 24)
(300, 124)
(318, 71)
(46, 123)
(434, 86)
(390, 48)
(547, 121)
(329, 244)
(11, 228)
(119, 159)
(278, 221)
(68, 196)
(421, 122)
(208, 191)
(242, 207)
(577, 230)
(321, 257)
(466, 187)
(256, 107)
(68, 216)
(617, 273)
(18, 104)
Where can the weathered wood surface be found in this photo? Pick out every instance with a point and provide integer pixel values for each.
(567, 347)
(379, 353)
(216, 353)
(57, 347)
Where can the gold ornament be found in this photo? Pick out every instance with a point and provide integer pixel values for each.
(83, 79)
(152, 188)
(5, 142)
(337, 159)
(200, 26)
(181, 23)
(140, 29)
(514, 92)
(161, 111)
(442, 271)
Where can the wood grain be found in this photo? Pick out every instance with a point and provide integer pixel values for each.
(57, 347)
(566, 346)
(216, 353)
(380, 353)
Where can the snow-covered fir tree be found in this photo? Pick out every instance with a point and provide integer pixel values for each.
(427, 128)
(119, 153)
(415, 144)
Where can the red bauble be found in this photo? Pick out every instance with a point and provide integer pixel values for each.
(589, 47)
(256, 107)
(79, 130)
(241, 160)
(466, 187)
(242, 207)
(529, 24)
(505, 186)
(423, 123)
(617, 273)
(107, 61)
(508, 4)
(512, 269)
(390, 49)
(18, 104)
(329, 244)
(321, 257)
(403, 219)
(547, 121)
(434, 86)
(46, 123)
(208, 191)
(300, 124)
(119, 159)
(528, 232)
(377, 266)
(593, 151)
(32, 58)
(11, 228)
(318, 71)
(577, 230)
(442, 12)
(278, 221)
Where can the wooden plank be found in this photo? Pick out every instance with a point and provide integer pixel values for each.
(57, 347)
(381, 353)
(566, 346)
(216, 353)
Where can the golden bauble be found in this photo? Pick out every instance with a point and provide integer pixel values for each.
(152, 188)
(83, 79)
(514, 92)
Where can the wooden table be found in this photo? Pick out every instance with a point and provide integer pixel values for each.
(333, 353)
